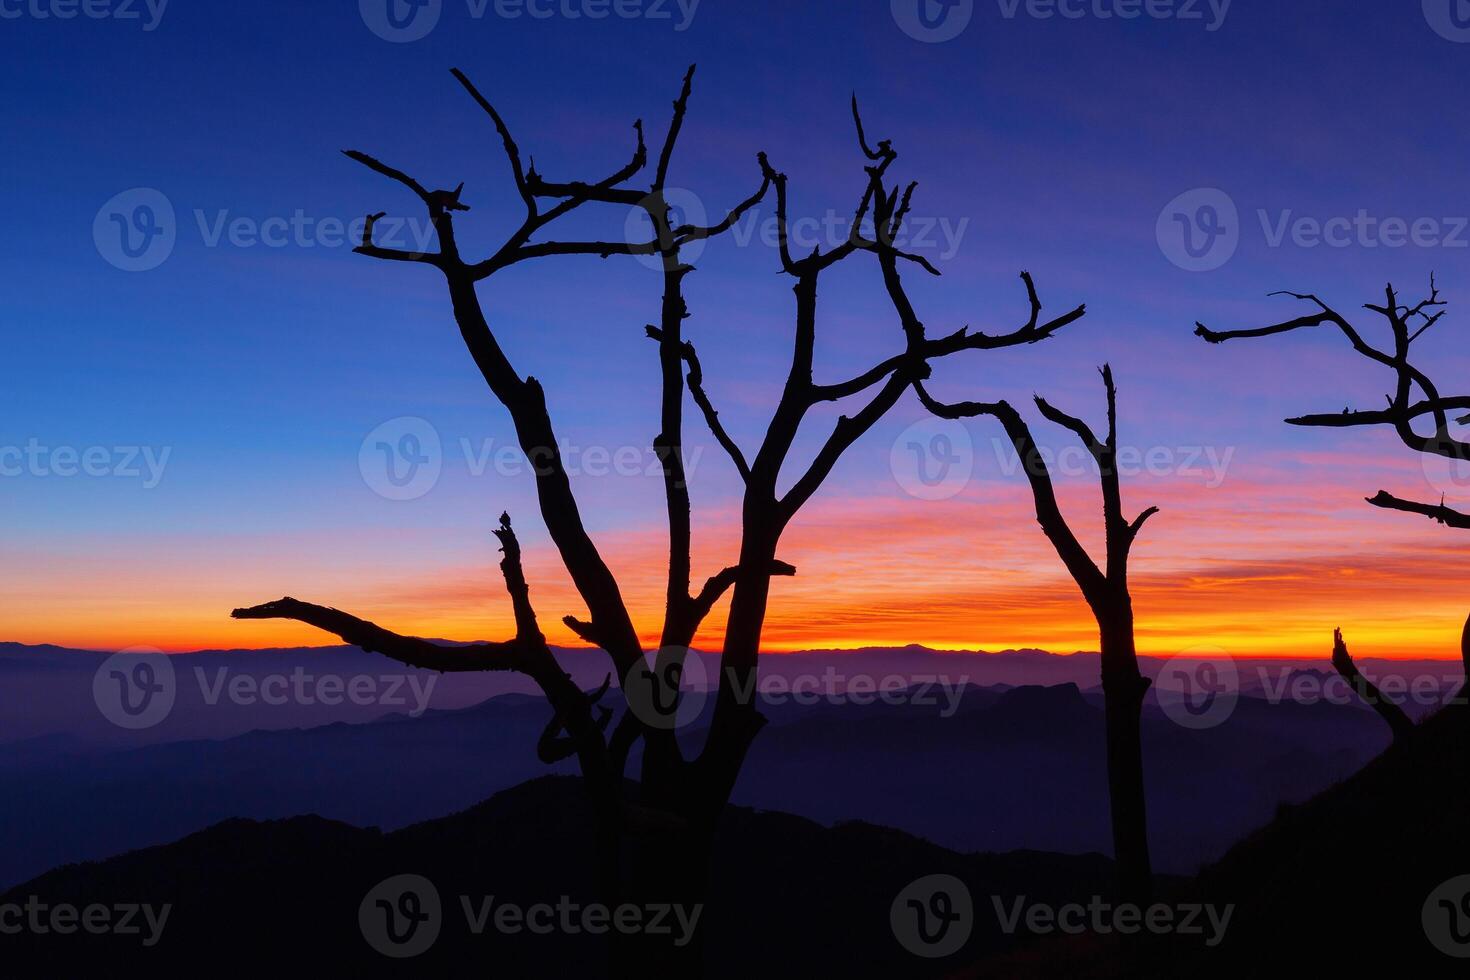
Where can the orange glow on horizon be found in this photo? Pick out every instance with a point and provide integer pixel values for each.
(966, 574)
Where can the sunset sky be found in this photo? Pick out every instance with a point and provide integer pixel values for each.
(249, 375)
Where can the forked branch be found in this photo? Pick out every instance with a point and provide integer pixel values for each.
(1054, 525)
(526, 652)
(1415, 394)
(695, 380)
(1402, 409)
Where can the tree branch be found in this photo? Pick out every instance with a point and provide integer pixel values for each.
(885, 148)
(681, 104)
(711, 417)
(392, 173)
(846, 432)
(526, 401)
(1076, 425)
(1398, 722)
(552, 748)
(1401, 411)
(412, 651)
(1139, 521)
(1437, 512)
(503, 259)
(391, 254)
(1048, 512)
(526, 653)
(1387, 416)
(1220, 336)
(961, 340)
(719, 583)
(515, 583)
(512, 152)
(693, 233)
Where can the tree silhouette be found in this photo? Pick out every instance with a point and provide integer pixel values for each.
(1106, 592)
(655, 841)
(1392, 714)
(1415, 397)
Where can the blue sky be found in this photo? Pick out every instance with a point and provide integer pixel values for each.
(1043, 143)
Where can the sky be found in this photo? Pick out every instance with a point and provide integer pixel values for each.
(200, 415)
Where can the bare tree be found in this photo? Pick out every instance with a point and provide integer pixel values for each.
(1415, 397)
(657, 840)
(1106, 592)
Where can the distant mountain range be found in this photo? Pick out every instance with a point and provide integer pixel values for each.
(971, 767)
(48, 690)
(1341, 885)
(985, 766)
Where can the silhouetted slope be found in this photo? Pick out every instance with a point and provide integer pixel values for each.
(1334, 887)
(1341, 881)
(792, 898)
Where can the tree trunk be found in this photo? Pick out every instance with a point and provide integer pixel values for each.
(1465, 656)
(1123, 691)
(669, 864)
